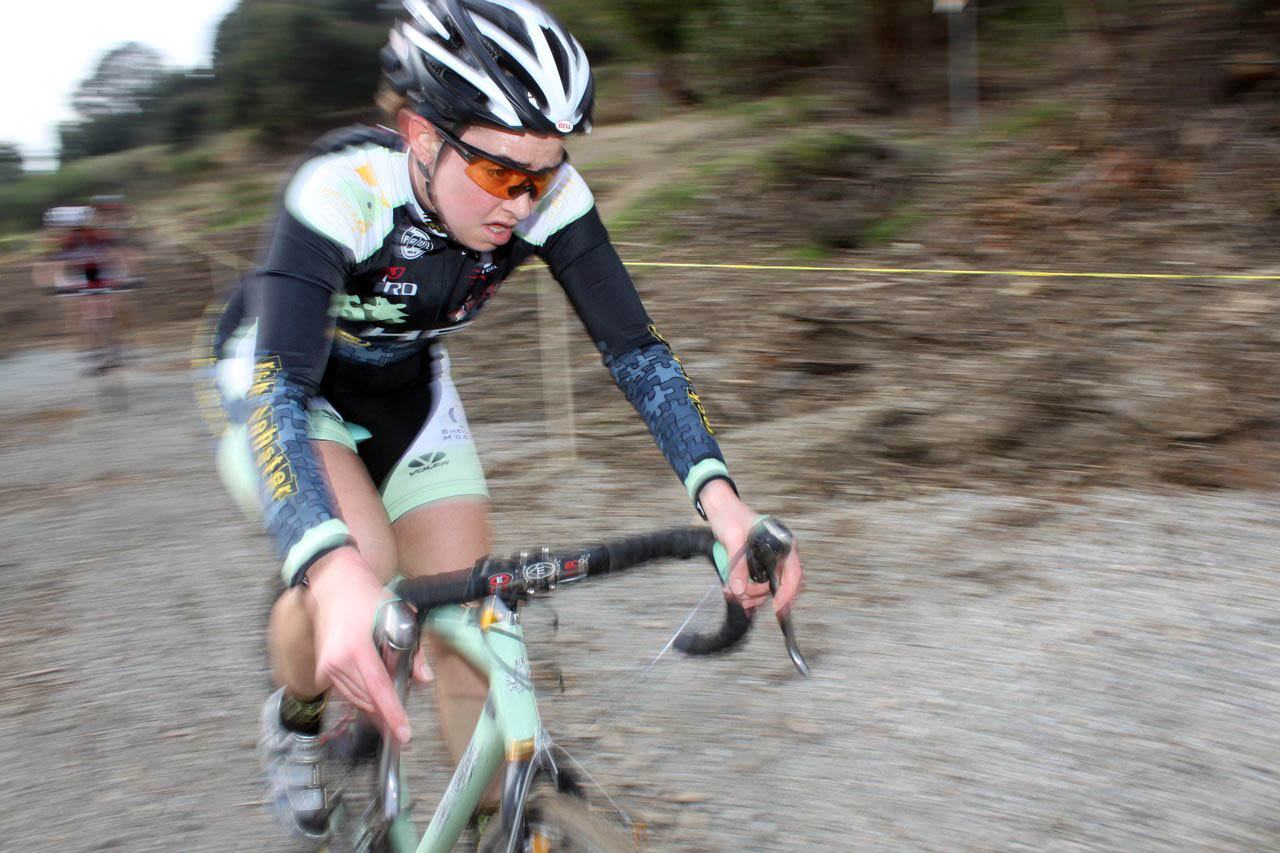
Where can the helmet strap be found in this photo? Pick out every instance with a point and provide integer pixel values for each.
(432, 205)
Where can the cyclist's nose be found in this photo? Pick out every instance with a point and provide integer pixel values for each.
(521, 206)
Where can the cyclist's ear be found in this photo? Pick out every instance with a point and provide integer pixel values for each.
(421, 137)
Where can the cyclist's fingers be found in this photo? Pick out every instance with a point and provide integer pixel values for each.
(750, 595)
(385, 701)
(789, 582)
(738, 580)
(421, 670)
(352, 691)
(757, 594)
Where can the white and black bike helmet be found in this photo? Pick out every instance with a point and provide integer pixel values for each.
(68, 217)
(502, 62)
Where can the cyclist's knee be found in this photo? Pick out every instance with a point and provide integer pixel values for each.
(443, 535)
(456, 679)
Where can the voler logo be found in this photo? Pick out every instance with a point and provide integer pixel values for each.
(427, 462)
(415, 243)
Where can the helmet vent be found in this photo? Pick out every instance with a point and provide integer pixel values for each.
(557, 51)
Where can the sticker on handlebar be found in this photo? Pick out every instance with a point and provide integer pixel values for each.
(500, 581)
(538, 571)
(575, 568)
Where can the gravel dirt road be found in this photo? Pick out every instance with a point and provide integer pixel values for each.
(1093, 669)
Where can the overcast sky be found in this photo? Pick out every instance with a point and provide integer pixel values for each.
(48, 47)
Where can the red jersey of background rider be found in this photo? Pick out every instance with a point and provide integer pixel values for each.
(85, 249)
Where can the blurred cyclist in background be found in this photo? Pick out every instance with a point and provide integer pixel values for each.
(86, 262)
(114, 216)
(345, 428)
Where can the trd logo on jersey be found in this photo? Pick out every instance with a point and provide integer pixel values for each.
(396, 288)
(427, 462)
(414, 243)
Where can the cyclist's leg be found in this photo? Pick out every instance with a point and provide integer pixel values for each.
(292, 716)
(434, 489)
(445, 535)
(91, 334)
(291, 635)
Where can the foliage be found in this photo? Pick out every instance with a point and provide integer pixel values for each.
(135, 172)
(121, 84)
(599, 26)
(744, 46)
(888, 228)
(10, 162)
(23, 202)
(290, 87)
(110, 102)
(818, 154)
(182, 109)
(656, 206)
(1021, 123)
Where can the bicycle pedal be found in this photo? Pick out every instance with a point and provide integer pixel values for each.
(353, 740)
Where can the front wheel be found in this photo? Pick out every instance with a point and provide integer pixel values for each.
(556, 822)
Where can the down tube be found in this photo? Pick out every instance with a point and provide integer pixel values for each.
(475, 769)
(512, 697)
(459, 627)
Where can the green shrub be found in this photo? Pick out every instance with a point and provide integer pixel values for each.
(191, 164)
(656, 205)
(889, 228)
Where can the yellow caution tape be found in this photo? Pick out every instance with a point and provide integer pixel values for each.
(235, 261)
(923, 271)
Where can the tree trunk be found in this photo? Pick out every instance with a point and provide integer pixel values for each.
(888, 55)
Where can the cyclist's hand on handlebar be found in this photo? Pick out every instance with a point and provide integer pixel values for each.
(344, 602)
(731, 522)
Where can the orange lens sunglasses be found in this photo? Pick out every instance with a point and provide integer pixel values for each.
(498, 177)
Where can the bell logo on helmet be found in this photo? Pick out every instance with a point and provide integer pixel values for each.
(564, 126)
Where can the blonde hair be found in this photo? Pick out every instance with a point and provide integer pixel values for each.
(391, 103)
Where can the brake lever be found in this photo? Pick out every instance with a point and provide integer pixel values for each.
(769, 542)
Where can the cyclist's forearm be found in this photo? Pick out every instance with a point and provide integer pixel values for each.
(655, 383)
(300, 513)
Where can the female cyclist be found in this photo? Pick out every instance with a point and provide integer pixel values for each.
(346, 430)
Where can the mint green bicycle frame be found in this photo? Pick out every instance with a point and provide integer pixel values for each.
(510, 729)
(491, 639)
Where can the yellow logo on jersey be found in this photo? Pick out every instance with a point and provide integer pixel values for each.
(264, 435)
(693, 394)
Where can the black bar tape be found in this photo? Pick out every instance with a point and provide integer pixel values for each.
(679, 543)
(457, 587)
(736, 624)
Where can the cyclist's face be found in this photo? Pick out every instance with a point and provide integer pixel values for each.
(475, 216)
